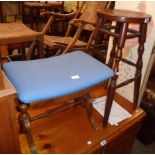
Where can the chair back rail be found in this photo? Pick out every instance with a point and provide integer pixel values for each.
(83, 21)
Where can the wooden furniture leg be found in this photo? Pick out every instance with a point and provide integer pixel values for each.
(40, 41)
(139, 64)
(112, 85)
(25, 125)
(112, 53)
(89, 109)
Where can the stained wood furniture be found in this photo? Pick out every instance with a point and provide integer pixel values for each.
(36, 7)
(89, 13)
(64, 44)
(9, 138)
(17, 35)
(1, 13)
(65, 77)
(84, 21)
(123, 19)
(70, 131)
(59, 43)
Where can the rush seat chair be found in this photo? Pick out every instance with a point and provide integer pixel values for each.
(66, 77)
(84, 21)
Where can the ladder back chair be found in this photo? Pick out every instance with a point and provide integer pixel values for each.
(53, 42)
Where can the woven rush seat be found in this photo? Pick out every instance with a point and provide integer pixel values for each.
(54, 41)
(16, 32)
(48, 78)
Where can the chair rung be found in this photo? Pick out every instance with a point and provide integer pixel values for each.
(110, 33)
(125, 83)
(128, 62)
(53, 111)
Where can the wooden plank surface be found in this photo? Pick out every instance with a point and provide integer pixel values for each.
(71, 132)
(9, 142)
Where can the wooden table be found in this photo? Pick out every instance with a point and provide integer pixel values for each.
(70, 131)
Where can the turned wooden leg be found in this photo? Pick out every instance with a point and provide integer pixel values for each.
(25, 125)
(139, 64)
(89, 109)
(117, 58)
(112, 53)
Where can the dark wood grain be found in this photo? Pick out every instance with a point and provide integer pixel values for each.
(86, 21)
(69, 131)
(124, 15)
(123, 19)
(9, 138)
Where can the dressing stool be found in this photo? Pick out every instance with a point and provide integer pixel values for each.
(120, 33)
(65, 77)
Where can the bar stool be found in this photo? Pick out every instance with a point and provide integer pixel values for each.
(121, 33)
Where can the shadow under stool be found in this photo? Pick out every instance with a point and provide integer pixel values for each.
(120, 32)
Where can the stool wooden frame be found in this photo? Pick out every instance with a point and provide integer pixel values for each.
(123, 19)
(79, 98)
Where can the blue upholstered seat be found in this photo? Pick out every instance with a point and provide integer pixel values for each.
(42, 79)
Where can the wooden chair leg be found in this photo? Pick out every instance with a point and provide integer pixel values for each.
(122, 29)
(31, 50)
(25, 124)
(89, 109)
(59, 52)
(23, 53)
(110, 97)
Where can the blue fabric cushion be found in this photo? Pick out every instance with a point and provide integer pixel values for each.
(42, 79)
